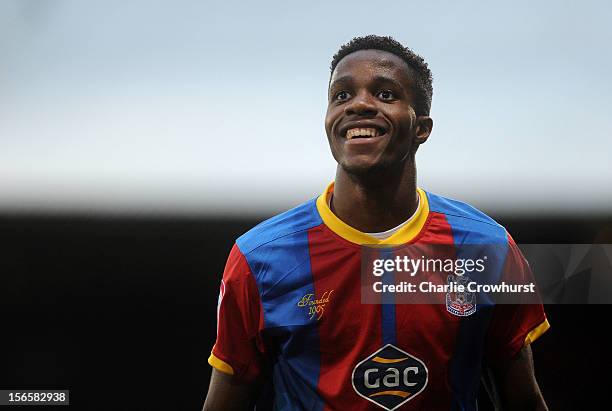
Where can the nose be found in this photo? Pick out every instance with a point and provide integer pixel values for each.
(362, 104)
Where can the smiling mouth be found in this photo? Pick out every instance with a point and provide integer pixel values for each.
(363, 132)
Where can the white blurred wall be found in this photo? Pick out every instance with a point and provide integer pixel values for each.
(195, 107)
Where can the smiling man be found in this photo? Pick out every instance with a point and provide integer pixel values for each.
(293, 333)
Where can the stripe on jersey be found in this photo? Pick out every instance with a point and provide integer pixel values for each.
(348, 330)
(470, 226)
(282, 283)
(388, 304)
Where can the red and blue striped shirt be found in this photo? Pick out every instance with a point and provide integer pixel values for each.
(290, 310)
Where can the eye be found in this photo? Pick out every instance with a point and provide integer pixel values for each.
(386, 95)
(342, 96)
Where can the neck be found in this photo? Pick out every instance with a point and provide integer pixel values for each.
(378, 203)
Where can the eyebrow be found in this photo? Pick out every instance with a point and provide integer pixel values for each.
(377, 79)
(343, 79)
(385, 79)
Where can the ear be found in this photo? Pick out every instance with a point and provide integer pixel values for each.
(424, 125)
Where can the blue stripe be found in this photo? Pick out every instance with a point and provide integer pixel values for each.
(474, 235)
(388, 304)
(278, 255)
(300, 218)
(466, 363)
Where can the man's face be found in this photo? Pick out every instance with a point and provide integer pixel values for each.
(370, 120)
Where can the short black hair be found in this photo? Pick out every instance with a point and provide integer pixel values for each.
(422, 75)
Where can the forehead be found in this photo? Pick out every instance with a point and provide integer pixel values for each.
(365, 64)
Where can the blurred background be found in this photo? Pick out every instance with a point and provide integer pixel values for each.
(138, 139)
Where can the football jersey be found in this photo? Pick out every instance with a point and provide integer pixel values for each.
(290, 311)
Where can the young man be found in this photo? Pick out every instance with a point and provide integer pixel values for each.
(290, 309)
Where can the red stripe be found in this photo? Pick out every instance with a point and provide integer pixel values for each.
(348, 330)
(428, 331)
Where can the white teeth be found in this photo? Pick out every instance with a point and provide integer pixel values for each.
(354, 132)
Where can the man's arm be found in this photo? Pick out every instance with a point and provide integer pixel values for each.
(237, 356)
(515, 386)
(226, 395)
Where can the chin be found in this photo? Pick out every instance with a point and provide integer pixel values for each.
(364, 168)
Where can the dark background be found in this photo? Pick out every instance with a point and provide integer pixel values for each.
(121, 310)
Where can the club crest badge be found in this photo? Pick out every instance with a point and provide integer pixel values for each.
(463, 303)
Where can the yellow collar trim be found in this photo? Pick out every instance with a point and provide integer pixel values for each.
(404, 235)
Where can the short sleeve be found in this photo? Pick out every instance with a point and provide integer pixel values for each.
(514, 326)
(238, 349)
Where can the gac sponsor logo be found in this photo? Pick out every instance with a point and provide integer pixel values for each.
(390, 377)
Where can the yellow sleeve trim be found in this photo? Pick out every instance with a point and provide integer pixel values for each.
(220, 365)
(536, 332)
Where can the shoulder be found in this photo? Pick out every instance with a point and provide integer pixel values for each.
(468, 224)
(282, 228)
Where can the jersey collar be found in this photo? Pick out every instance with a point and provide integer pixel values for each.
(404, 235)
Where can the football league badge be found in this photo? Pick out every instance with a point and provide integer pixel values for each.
(461, 303)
